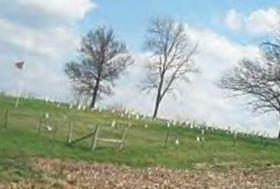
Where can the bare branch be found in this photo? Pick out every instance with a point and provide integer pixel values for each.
(102, 60)
(171, 58)
(259, 79)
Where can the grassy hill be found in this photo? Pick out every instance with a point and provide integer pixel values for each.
(20, 142)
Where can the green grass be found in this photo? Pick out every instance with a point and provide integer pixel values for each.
(20, 142)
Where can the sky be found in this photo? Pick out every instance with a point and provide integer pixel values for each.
(47, 35)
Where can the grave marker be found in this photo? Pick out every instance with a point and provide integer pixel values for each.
(167, 135)
(113, 123)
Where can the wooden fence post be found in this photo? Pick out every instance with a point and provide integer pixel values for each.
(234, 139)
(40, 126)
(54, 131)
(94, 138)
(6, 119)
(167, 138)
(123, 137)
(52, 138)
(69, 137)
(202, 137)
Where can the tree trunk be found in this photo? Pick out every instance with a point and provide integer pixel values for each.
(158, 99)
(156, 107)
(95, 90)
(279, 135)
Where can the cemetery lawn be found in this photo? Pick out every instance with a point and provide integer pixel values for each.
(20, 142)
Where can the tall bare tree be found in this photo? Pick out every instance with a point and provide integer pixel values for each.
(102, 59)
(259, 79)
(171, 56)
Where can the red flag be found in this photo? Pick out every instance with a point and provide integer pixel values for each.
(19, 65)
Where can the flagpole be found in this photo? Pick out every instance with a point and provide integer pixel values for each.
(17, 101)
(18, 94)
(19, 66)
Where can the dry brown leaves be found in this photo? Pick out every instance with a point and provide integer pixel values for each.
(103, 176)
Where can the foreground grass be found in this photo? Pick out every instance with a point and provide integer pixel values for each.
(20, 142)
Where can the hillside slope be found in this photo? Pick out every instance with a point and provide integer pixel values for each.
(145, 141)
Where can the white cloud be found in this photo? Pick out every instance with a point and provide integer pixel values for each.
(44, 43)
(68, 10)
(262, 21)
(233, 20)
(258, 22)
(54, 41)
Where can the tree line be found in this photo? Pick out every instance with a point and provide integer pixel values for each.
(103, 58)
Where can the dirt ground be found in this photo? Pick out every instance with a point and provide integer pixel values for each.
(61, 175)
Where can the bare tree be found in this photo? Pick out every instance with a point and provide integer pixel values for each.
(171, 56)
(102, 59)
(259, 79)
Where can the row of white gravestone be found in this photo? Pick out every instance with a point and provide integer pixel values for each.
(52, 101)
(200, 138)
(195, 125)
(114, 124)
(126, 113)
(131, 114)
(191, 125)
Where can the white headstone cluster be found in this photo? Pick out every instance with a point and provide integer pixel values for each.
(191, 125)
(126, 111)
(202, 132)
(49, 128)
(168, 124)
(52, 101)
(113, 124)
(47, 115)
(46, 99)
(129, 116)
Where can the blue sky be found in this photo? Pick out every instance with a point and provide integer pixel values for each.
(130, 18)
(47, 35)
